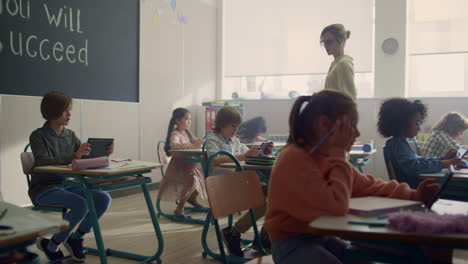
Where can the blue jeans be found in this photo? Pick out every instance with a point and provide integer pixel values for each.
(308, 248)
(73, 198)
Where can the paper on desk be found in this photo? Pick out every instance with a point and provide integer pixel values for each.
(459, 171)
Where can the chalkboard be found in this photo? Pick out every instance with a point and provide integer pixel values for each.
(88, 49)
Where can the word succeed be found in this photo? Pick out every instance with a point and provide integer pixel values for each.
(23, 41)
(32, 47)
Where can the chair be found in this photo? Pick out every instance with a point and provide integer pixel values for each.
(389, 165)
(27, 162)
(173, 217)
(229, 194)
(391, 171)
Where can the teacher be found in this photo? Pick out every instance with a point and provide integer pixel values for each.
(340, 76)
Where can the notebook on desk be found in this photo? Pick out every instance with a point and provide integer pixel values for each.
(375, 206)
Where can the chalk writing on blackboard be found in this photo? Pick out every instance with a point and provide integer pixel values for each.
(36, 47)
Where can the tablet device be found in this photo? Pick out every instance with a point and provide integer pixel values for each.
(445, 180)
(461, 153)
(98, 147)
(263, 148)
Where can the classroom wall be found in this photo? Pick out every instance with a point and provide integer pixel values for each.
(177, 68)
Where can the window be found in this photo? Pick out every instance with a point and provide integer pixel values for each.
(438, 48)
(271, 47)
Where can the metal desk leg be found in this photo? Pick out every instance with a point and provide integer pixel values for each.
(97, 231)
(157, 230)
(206, 249)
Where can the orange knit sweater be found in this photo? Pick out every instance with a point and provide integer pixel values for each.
(306, 186)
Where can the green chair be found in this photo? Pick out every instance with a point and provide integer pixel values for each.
(173, 217)
(228, 194)
(27, 162)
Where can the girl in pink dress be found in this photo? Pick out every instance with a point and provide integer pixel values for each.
(183, 180)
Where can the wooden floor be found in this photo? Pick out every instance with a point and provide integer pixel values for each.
(127, 226)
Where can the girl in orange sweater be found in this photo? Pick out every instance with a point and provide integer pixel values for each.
(312, 178)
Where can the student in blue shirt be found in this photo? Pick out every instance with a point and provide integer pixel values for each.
(400, 119)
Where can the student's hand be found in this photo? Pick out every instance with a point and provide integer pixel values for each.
(450, 154)
(198, 142)
(83, 150)
(110, 149)
(426, 191)
(269, 149)
(447, 163)
(253, 151)
(343, 137)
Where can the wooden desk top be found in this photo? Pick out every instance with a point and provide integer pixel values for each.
(439, 175)
(361, 154)
(27, 224)
(276, 144)
(113, 169)
(338, 226)
(232, 165)
(191, 151)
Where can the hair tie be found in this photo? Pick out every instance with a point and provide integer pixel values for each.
(303, 106)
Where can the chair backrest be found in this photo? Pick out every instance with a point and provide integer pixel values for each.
(162, 157)
(207, 169)
(234, 192)
(391, 171)
(388, 163)
(203, 148)
(27, 162)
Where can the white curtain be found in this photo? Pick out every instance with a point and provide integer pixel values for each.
(281, 37)
(438, 47)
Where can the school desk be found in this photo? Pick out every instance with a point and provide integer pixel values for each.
(276, 145)
(457, 187)
(408, 243)
(359, 158)
(191, 155)
(438, 175)
(118, 175)
(27, 226)
(232, 165)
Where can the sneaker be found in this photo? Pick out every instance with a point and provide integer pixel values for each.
(232, 240)
(179, 214)
(75, 247)
(194, 203)
(52, 256)
(266, 243)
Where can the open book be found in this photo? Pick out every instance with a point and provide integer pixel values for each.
(374, 206)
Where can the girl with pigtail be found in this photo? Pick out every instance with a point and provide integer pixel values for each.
(183, 181)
